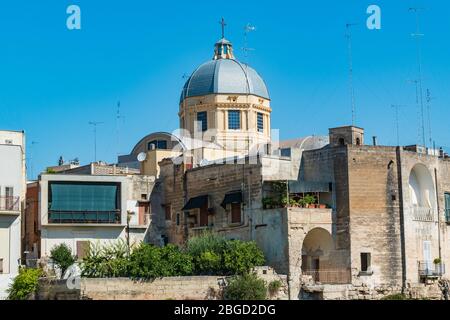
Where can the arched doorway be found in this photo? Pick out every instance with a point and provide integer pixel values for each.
(316, 250)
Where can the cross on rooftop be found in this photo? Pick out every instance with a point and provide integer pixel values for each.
(222, 22)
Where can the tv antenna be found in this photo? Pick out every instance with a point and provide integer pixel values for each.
(118, 117)
(247, 29)
(417, 35)
(95, 124)
(397, 123)
(429, 98)
(32, 143)
(348, 35)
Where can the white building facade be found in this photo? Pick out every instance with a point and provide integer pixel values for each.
(12, 201)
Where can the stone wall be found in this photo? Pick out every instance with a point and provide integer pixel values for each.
(169, 288)
(215, 181)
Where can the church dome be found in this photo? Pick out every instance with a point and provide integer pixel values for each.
(224, 74)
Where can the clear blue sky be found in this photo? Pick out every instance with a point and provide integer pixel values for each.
(54, 81)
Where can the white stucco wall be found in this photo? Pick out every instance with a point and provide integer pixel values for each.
(12, 174)
(54, 234)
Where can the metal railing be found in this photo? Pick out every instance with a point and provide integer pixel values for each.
(9, 203)
(430, 269)
(100, 217)
(332, 276)
(422, 214)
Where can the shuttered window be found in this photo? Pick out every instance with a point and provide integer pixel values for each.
(235, 213)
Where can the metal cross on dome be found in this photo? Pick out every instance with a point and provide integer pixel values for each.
(222, 22)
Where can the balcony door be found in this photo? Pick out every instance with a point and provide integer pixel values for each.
(9, 198)
(427, 256)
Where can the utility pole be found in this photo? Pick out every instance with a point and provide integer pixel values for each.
(417, 35)
(32, 157)
(95, 124)
(348, 35)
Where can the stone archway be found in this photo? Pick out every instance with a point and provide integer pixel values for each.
(422, 195)
(316, 249)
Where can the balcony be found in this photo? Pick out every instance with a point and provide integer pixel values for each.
(422, 214)
(428, 269)
(9, 205)
(84, 217)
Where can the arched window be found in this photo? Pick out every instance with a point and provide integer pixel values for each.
(358, 141)
(341, 142)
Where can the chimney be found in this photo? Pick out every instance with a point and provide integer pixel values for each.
(374, 139)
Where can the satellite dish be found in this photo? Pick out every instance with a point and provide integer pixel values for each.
(204, 162)
(142, 156)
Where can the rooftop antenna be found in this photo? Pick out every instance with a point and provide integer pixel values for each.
(419, 131)
(247, 29)
(118, 117)
(429, 98)
(31, 157)
(222, 22)
(397, 125)
(95, 124)
(417, 35)
(348, 35)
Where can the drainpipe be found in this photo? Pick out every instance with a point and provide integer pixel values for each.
(438, 213)
(402, 216)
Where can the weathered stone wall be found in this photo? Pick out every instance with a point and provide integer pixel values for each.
(374, 214)
(215, 181)
(170, 288)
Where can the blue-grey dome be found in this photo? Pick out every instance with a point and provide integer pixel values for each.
(224, 76)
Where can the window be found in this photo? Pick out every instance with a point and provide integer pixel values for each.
(341, 142)
(260, 122)
(358, 141)
(1, 265)
(84, 202)
(157, 144)
(202, 117)
(447, 207)
(234, 120)
(178, 219)
(365, 262)
(9, 198)
(168, 211)
(235, 213)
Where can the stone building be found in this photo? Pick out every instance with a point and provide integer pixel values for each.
(341, 218)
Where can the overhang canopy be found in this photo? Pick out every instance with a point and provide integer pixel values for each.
(232, 197)
(196, 202)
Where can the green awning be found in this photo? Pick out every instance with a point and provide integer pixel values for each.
(196, 202)
(232, 197)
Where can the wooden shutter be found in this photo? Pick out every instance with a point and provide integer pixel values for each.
(82, 249)
(235, 213)
(204, 215)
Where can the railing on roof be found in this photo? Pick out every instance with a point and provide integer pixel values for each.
(9, 203)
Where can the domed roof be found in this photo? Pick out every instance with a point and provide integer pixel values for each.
(225, 75)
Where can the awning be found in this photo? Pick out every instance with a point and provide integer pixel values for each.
(232, 197)
(196, 202)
